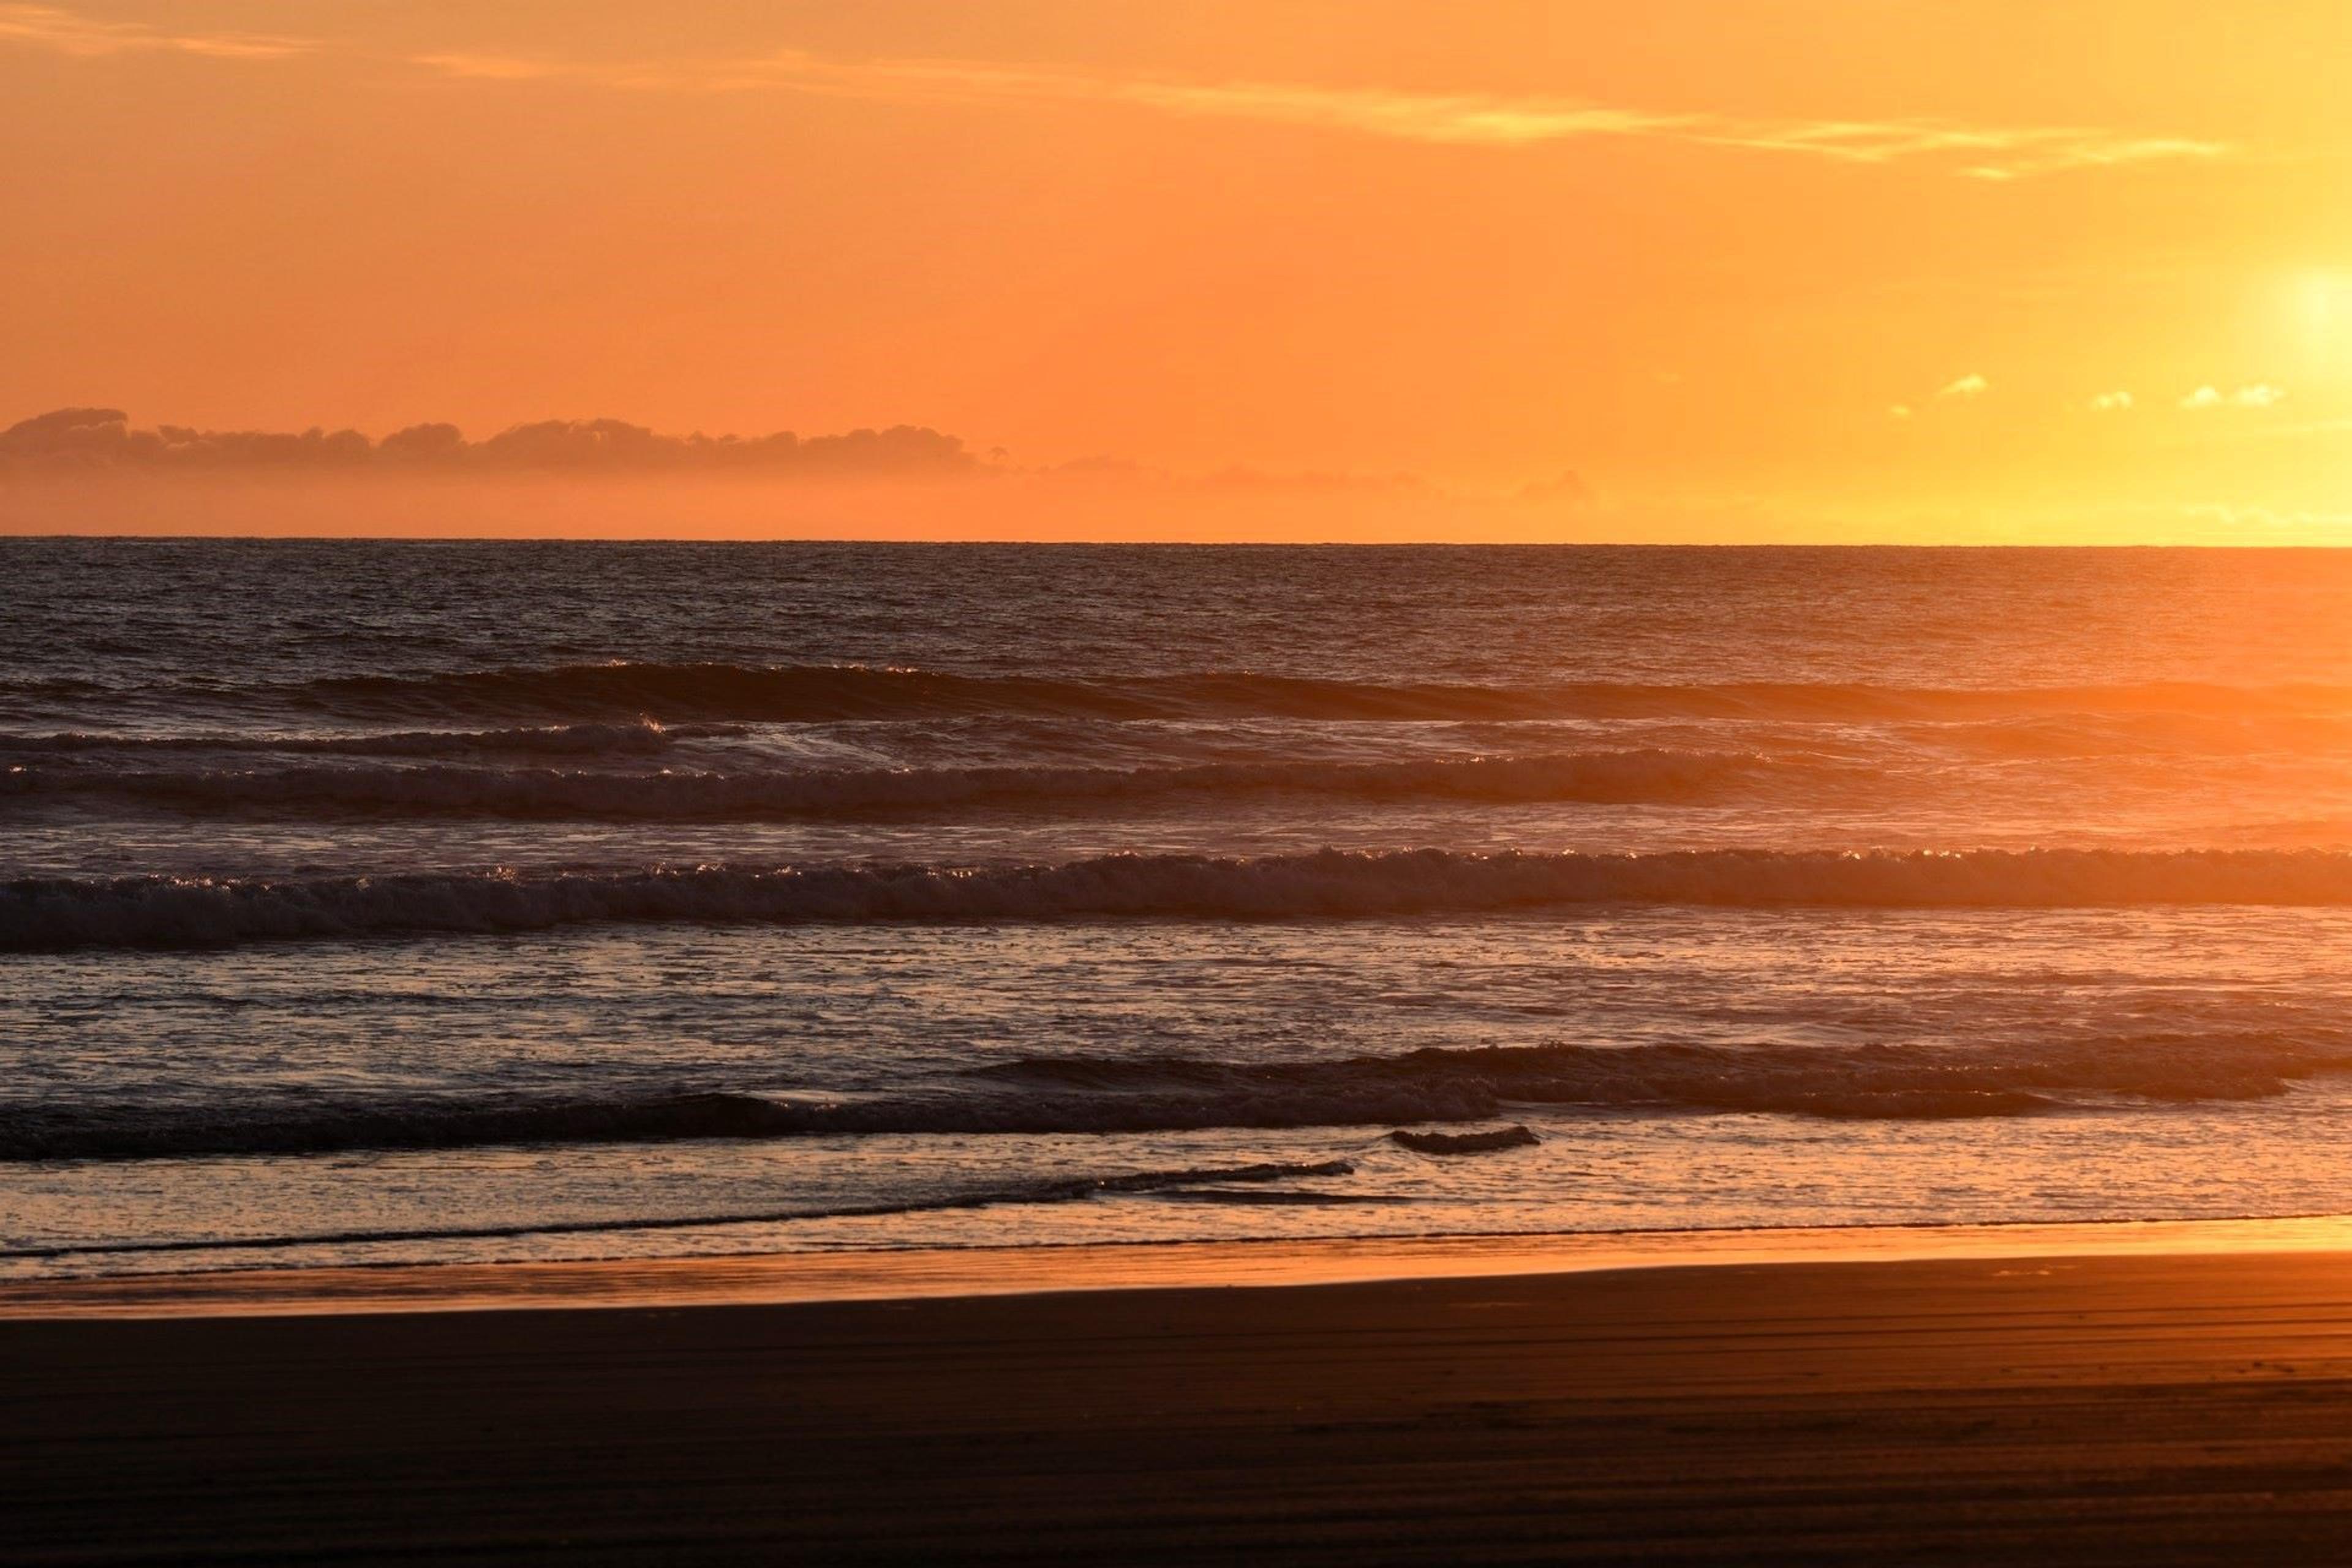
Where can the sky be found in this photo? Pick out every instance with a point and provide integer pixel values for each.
(1901, 271)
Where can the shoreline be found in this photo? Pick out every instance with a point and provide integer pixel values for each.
(787, 1278)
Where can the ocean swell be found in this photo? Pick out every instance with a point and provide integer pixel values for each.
(48, 913)
(1864, 1082)
(631, 738)
(1062, 1095)
(624, 690)
(1618, 777)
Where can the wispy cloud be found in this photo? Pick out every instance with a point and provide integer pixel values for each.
(2262, 394)
(1968, 385)
(2056, 150)
(1464, 119)
(2111, 402)
(1976, 153)
(1446, 119)
(67, 32)
(1451, 119)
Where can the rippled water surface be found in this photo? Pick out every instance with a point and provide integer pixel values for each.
(400, 900)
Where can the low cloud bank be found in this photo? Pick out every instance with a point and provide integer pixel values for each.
(99, 439)
(90, 470)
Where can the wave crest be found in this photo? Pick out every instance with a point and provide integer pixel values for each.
(810, 693)
(1621, 777)
(634, 737)
(176, 911)
(1061, 1095)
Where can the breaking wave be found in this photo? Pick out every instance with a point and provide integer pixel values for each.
(1621, 777)
(1868, 1082)
(1062, 1095)
(40, 914)
(636, 737)
(624, 690)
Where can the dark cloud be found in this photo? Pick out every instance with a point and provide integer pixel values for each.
(104, 438)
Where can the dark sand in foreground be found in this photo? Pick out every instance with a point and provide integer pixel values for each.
(2140, 1409)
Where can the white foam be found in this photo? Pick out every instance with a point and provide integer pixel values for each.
(189, 911)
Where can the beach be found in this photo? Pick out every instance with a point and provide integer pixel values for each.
(980, 1054)
(2163, 1406)
(1060, 782)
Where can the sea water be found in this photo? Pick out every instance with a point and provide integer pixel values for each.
(370, 901)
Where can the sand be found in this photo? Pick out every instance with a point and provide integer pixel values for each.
(2164, 1408)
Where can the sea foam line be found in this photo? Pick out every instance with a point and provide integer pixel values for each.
(623, 690)
(1110, 1095)
(634, 736)
(1599, 777)
(1076, 1189)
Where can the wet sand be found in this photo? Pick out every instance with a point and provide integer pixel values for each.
(2185, 1408)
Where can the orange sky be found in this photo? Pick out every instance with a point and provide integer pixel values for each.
(1905, 269)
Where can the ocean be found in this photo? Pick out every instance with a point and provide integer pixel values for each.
(369, 902)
